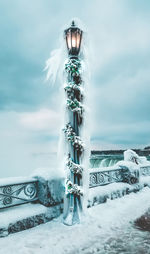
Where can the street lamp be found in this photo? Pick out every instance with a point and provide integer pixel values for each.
(75, 111)
(73, 37)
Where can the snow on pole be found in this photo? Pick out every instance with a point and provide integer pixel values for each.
(74, 152)
(73, 129)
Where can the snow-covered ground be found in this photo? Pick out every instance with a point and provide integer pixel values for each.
(107, 228)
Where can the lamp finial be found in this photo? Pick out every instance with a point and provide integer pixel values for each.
(73, 23)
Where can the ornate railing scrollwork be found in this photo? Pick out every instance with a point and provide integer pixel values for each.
(122, 174)
(105, 177)
(19, 193)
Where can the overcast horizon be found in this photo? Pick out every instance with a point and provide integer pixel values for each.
(30, 110)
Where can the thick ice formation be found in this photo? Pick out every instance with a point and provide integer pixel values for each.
(130, 155)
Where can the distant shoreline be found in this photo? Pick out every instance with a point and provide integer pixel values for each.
(140, 152)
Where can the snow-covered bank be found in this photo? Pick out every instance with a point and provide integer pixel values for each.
(101, 194)
(103, 223)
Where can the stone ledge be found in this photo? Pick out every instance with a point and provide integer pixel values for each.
(26, 216)
(101, 194)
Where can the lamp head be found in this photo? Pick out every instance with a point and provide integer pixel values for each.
(73, 36)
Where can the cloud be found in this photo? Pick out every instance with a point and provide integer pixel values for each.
(116, 29)
(42, 120)
(120, 112)
(30, 111)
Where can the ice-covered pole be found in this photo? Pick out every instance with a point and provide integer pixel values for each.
(73, 204)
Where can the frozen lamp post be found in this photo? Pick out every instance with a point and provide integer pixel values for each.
(73, 204)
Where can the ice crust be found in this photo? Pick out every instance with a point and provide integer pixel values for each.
(103, 223)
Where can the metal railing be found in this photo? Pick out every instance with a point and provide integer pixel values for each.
(101, 177)
(105, 177)
(16, 191)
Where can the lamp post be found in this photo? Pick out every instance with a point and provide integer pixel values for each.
(74, 105)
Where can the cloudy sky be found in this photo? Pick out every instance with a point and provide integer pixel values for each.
(119, 34)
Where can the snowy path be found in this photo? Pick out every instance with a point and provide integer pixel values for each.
(107, 229)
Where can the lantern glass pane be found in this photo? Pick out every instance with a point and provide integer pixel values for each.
(69, 40)
(74, 40)
(78, 40)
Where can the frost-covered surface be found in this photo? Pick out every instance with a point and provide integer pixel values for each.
(100, 194)
(146, 163)
(48, 173)
(50, 192)
(91, 170)
(107, 190)
(15, 180)
(130, 155)
(107, 229)
(145, 180)
(129, 164)
(24, 217)
(14, 214)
